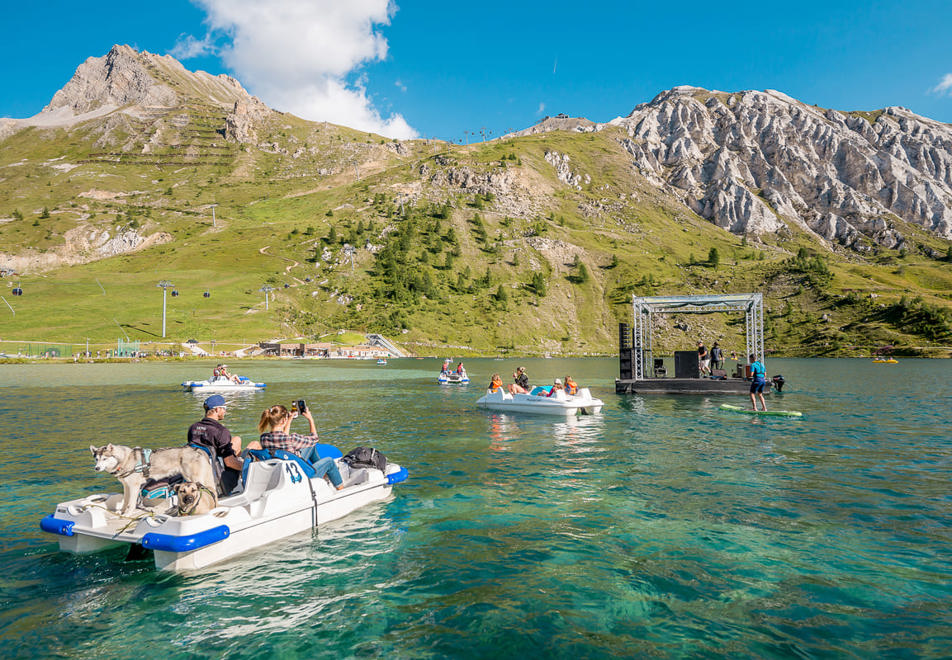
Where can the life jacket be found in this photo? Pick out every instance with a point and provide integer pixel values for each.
(495, 384)
(571, 389)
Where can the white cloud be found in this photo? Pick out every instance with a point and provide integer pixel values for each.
(541, 108)
(188, 47)
(944, 86)
(296, 56)
(400, 86)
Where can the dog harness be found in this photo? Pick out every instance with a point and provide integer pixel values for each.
(143, 456)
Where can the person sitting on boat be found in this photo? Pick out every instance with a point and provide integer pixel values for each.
(556, 387)
(446, 367)
(275, 425)
(460, 370)
(758, 374)
(216, 372)
(521, 384)
(209, 432)
(571, 387)
(495, 384)
(233, 378)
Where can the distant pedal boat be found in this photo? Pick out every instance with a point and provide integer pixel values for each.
(452, 377)
(222, 385)
(562, 404)
(278, 499)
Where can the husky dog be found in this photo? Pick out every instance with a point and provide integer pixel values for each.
(194, 499)
(132, 466)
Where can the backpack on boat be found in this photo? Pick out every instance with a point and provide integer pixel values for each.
(364, 457)
(155, 491)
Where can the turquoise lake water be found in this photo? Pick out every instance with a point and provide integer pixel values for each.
(662, 527)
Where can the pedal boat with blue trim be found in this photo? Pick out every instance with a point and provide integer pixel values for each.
(451, 377)
(279, 495)
(223, 385)
(537, 402)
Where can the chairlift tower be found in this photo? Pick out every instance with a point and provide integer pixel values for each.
(165, 285)
(267, 290)
(349, 252)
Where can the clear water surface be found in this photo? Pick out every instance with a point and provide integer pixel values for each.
(663, 527)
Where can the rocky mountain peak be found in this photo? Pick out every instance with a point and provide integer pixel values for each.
(125, 76)
(120, 77)
(755, 162)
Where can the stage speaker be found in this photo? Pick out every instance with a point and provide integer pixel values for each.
(686, 365)
(626, 363)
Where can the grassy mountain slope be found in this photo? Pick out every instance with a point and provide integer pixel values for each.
(479, 247)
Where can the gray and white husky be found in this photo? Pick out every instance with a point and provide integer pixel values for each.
(133, 467)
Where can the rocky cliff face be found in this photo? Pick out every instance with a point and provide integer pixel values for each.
(118, 78)
(751, 162)
(241, 121)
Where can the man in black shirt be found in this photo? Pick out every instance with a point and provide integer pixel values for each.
(717, 357)
(211, 433)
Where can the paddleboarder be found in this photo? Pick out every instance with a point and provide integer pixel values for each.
(758, 375)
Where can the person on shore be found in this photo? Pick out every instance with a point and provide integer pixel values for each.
(275, 425)
(734, 356)
(211, 433)
(521, 382)
(717, 357)
(495, 384)
(703, 358)
(571, 387)
(758, 375)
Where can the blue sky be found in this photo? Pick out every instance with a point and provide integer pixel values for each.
(443, 68)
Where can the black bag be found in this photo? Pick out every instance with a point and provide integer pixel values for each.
(364, 457)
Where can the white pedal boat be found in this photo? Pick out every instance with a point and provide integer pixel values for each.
(277, 500)
(562, 404)
(222, 385)
(452, 377)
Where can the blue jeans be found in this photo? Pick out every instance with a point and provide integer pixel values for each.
(322, 466)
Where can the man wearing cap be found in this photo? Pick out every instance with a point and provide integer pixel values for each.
(210, 432)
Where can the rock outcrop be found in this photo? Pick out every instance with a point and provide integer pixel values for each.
(240, 122)
(752, 161)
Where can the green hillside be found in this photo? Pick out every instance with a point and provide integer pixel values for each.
(442, 258)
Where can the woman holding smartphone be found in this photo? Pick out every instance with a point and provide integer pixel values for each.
(275, 425)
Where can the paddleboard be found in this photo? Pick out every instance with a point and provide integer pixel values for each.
(773, 413)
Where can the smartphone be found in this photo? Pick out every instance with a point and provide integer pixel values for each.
(301, 406)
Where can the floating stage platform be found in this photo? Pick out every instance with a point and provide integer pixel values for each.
(684, 386)
(642, 371)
